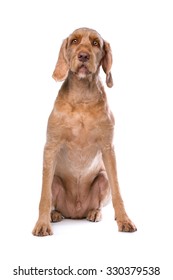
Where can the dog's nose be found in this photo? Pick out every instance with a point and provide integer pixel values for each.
(83, 56)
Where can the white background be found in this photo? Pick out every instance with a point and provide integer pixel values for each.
(141, 37)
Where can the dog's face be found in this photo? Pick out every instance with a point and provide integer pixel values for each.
(82, 53)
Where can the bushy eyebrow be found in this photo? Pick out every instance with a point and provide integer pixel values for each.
(96, 38)
(74, 36)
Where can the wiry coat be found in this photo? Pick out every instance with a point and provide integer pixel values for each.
(79, 169)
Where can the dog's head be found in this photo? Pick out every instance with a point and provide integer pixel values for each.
(83, 52)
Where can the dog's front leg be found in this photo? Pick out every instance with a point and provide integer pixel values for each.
(123, 221)
(43, 226)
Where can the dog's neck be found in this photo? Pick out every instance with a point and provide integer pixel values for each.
(83, 90)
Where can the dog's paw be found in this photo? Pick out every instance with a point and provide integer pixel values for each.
(94, 215)
(126, 225)
(42, 229)
(55, 216)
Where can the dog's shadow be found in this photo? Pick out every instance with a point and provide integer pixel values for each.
(74, 226)
(83, 227)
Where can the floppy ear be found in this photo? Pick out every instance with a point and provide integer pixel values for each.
(61, 69)
(107, 63)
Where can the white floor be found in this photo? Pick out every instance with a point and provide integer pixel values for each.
(84, 245)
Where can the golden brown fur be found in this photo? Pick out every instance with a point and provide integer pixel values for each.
(79, 169)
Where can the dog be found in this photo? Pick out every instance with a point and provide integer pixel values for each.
(79, 164)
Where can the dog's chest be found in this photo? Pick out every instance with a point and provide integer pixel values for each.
(81, 128)
(81, 125)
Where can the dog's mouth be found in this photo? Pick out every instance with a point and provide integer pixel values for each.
(82, 71)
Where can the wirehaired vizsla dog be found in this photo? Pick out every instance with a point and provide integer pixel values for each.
(79, 165)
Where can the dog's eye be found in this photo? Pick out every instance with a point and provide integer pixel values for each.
(95, 43)
(74, 41)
